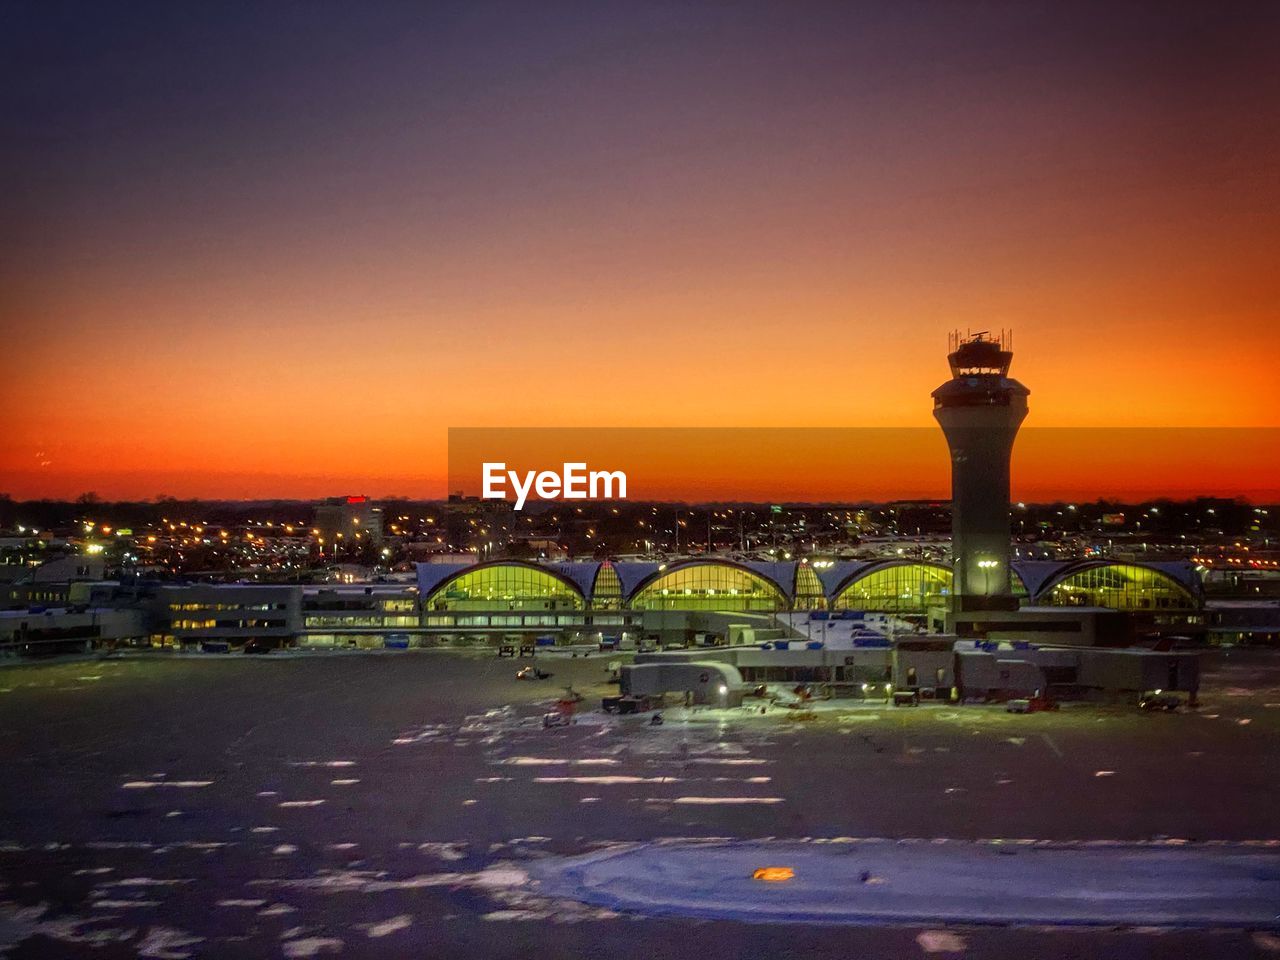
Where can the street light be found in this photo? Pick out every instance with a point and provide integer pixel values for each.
(987, 566)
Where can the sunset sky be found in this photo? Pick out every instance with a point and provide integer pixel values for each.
(279, 249)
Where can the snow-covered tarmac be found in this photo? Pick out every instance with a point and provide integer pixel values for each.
(881, 881)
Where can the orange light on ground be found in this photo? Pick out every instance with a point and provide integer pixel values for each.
(773, 874)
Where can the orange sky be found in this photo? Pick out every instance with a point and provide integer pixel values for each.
(294, 285)
(859, 464)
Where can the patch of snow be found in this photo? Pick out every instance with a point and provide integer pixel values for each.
(311, 946)
(401, 922)
(940, 941)
(166, 943)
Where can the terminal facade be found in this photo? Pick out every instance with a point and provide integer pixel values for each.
(714, 600)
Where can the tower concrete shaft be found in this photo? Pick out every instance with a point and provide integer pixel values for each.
(980, 410)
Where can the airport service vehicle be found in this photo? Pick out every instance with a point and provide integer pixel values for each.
(1030, 705)
(1159, 700)
(630, 704)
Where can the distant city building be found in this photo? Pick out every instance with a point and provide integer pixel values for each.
(353, 519)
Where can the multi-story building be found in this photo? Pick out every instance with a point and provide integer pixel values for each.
(361, 616)
(233, 613)
(351, 519)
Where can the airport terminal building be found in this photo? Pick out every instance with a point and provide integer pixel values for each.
(694, 600)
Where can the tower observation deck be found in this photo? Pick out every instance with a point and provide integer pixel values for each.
(980, 409)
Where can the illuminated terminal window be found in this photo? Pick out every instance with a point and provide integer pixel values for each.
(709, 586)
(809, 594)
(194, 624)
(607, 594)
(1120, 586)
(1017, 587)
(897, 588)
(506, 586)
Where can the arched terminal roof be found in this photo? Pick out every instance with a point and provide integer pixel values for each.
(1039, 577)
(894, 586)
(1183, 572)
(1123, 584)
(781, 574)
(580, 574)
(505, 574)
(432, 575)
(705, 584)
(1034, 574)
(632, 574)
(834, 577)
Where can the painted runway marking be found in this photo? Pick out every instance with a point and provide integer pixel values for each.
(729, 761)
(123, 904)
(322, 763)
(1052, 746)
(549, 761)
(606, 781)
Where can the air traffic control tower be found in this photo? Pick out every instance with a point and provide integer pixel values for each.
(980, 410)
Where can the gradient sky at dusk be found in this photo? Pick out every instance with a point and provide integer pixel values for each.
(279, 248)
